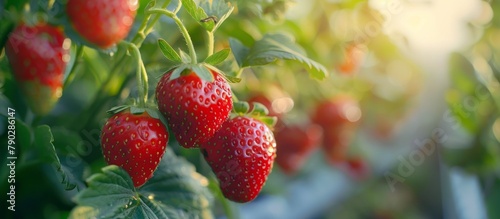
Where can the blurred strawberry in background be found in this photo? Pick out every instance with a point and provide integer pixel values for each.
(353, 56)
(294, 145)
(356, 167)
(339, 118)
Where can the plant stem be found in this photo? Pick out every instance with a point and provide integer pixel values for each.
(141, 74)
(240, 71)
(182, 28)
(211, 42)
(145, 28)
(71, 74)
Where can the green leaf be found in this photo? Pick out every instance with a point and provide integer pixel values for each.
(280, 46)
(203, 72)
(218, 57)
(259, 109)
(228, 78)
(197, 13)
(117, 109)
(270, 121)
(151, 4)
(218, 10)
(168, 51)
(185, 57)
(47, 152)
(232, 79)
(240, 51)
(178, 71)
(110, 194)
(177, 184)
(136, 110)
(241, 107)
(153, 112)
(175, 191)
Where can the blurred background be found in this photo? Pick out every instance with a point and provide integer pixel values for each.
(406, 126)
(414, 88)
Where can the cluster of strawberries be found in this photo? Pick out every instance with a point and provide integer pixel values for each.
(39, 52)
(240, 149)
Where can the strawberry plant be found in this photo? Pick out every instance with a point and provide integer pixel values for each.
(225, 109)
(121, 94)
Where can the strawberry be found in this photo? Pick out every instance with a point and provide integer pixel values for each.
(294, 144)
(195, 109)
(102, 22)
(38, 56)
(339, 118)
(135, 142)
(241, 154)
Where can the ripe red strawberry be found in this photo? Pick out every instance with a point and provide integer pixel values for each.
(241, 155)
(102, 22)
(135, 142)
(38, 56)
(294, 145)
(338, 118)
(195, 109)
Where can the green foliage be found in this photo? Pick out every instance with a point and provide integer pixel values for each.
(217, 10)
(218, 57)
(203, 72)
(469, 100)
(175, 191)
(46, 152)
(272, 47)
(168, 51)
(197, 13)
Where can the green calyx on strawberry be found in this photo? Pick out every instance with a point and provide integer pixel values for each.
(134, 139)
(196, 100)
(102, 22)
(38, 56)
(242, 152)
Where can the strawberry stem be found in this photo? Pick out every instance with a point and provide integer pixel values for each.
(141, 74)
(71, 75)
(182, 28)
(146, 27)
(211, 42)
